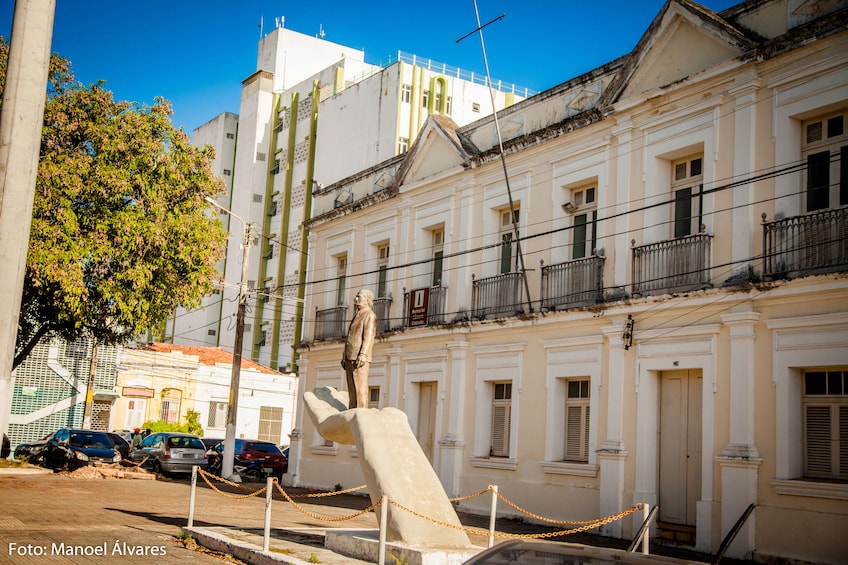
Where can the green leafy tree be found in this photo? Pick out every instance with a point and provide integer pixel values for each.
(193, 423)
(120, 232)
(190, 426)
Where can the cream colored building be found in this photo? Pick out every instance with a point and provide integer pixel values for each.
(673, 328)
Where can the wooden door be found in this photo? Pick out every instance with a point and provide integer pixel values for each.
(680, 446)
(427, 418)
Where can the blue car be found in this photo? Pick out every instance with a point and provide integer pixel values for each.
(70, 449)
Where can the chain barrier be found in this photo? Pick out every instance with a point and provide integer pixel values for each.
(318, 516)
(584, 525)
(542, 518)
(461, 498)
(589, 525)
(205, 476)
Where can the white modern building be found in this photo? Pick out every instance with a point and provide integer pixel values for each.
(312, 114)
(650, 307)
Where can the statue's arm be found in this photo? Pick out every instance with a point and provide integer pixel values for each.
(369, 330)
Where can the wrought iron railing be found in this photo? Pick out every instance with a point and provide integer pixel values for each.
(498, 296)
(674, 265)
(383, 308)
(814, 243)
(429, 313)
(331, 323)
(573, 283)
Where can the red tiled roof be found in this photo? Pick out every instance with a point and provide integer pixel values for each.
(206, 355)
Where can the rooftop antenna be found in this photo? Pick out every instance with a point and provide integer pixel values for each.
(261, 23)
(520, 255)
(321, 33)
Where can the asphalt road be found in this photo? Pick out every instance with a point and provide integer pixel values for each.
(58, 518)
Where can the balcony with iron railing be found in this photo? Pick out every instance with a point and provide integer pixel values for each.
(499, 296)
(674, 265)
(424, 306)
(573, 283)
(383, 309)
(331, 323)
(810, 244)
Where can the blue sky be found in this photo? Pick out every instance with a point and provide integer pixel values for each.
(196, 54)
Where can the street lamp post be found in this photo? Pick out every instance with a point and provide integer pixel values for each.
(232, 403)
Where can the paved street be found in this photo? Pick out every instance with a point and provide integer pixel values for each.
(59, 518)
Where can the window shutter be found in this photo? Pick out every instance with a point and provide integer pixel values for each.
(814, 132)
(500, 431)
(577, 433)
(817, 435)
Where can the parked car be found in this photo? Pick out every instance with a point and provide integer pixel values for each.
(6, 448)
(126, 434)
(211, 442)
(70, 449)
(534, 552)
(170, 452)
(29, 450)
(248, 450)
(121, 444)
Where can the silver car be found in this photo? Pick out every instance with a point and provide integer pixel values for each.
(170, 452)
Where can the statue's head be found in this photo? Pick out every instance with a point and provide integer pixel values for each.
(366, 296)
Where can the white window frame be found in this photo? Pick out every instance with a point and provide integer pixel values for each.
(496, 364)
(576, 434)
(341, 279)
(501, 418)
(382, 286)
(799, 342)
(583, 211)
(217, 411)
(374, 397)
(832, 143)
(438, 254)
(571, 359)
(832, 407)
(271, 421)
(682, 179)
(506, 236)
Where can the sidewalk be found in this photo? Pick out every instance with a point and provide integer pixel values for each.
(56, 518)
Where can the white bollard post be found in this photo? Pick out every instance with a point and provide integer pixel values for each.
(191, 496)
(646, 511)
(269, 496)
(384, 517)
(493, 513)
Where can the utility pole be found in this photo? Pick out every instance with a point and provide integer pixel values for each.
(232, 404)
(20, 138)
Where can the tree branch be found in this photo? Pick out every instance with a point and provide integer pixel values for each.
(43, 330)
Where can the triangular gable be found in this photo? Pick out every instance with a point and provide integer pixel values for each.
(437, 148)
(684, 39)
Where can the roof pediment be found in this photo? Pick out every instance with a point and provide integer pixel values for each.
(436, 149)
(683, 40)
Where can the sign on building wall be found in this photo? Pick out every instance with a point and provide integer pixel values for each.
(419, 299)
(137, 391)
